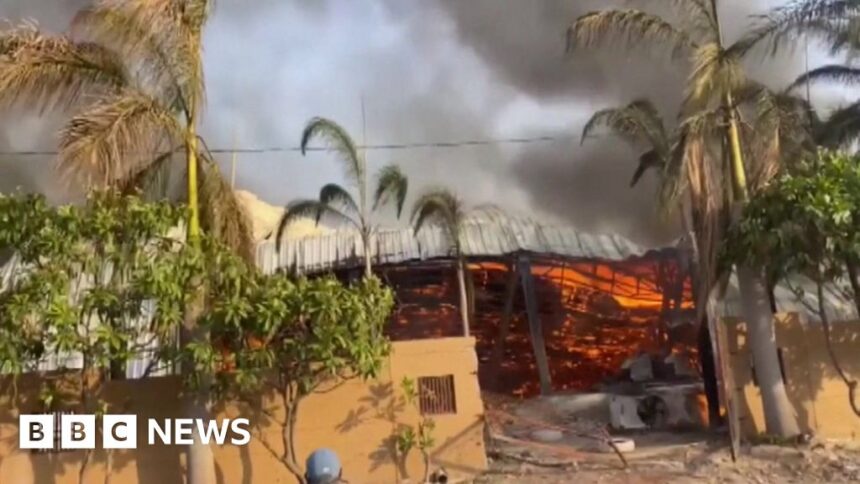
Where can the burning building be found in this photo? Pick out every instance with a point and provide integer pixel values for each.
(552, 309)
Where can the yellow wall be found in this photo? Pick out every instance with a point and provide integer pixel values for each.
(819, 396)
(356, 419)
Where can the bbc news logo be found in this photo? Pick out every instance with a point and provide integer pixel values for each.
(37, 432)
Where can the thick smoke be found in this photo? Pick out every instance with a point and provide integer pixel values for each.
(587, 185)
(447, 70)
(427, 70)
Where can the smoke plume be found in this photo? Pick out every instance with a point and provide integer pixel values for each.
(425, 71)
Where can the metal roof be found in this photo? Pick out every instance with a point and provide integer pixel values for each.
(343, 249)
(11, 269)
(797, 295)
(480, 238)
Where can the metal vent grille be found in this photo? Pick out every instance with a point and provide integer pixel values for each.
(436, 395)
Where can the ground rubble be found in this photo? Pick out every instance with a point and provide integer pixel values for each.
(532, 442)
(708, 461)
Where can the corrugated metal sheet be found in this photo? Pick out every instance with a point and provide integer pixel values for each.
(135, 368)
(480, 238)
(797, 295)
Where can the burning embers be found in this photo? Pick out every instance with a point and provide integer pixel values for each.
(594, 317)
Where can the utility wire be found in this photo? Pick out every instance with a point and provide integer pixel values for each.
(390, 146)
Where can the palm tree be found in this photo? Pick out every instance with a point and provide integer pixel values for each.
(335, 201)
(131, 70)
(716, 78)
(837, 23)
(638, 123)
(443, 209)
(841, 128)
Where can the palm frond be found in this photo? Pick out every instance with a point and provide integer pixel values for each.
(340, 141)
(839, 34)
(441, 208)
(221, 214)
(842, 34)
(309, 209)
(630, 29)
(841, 128)
(833, 73)
(114, 136)
(715, 73)
(156, 46)
(151, 180)
(53, 71)
(782, 133)
(797, 12)
(695, 172)
(336, 196)
(783, 25)
(197, 12)
(682, 170)
(696, 14)
(637, 122)
(603, 117)
(164, 17)
(649, 160)
(391, 183)
(649, 112)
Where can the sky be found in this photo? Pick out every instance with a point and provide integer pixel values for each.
(425, 71)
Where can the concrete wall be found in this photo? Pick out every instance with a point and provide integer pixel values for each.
(819, 396)
(356, 419)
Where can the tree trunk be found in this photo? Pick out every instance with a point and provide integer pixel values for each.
(288, 434)
(464, 299)
(779, 414)
(470, 291)
(200, 461)
(368, 267)
(780, 418)
(739, 177)
(193, 204)
(505, 324)
(426, 457)
(365, 243)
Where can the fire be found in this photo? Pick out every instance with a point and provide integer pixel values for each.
(595, 315)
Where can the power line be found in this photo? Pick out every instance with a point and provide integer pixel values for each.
(389, 146)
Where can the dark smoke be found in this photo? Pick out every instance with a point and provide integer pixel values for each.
(586, 185)
(428, 70)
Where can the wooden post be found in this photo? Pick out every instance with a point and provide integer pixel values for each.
(535, 328)
(662, 328)
(725, 374)
(505, 324)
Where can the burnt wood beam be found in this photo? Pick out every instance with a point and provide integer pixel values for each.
(505, 324)
(535, 327)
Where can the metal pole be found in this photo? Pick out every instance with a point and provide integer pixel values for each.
(806, 60)
(233, 164)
